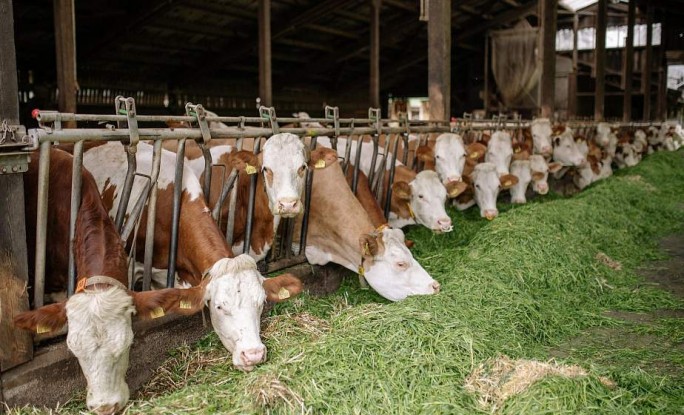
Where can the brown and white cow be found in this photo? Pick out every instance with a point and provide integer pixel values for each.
(500, 152)
(485, 186)
(565, 150)
(541, 132)
(340, 231)
(417, 198)
(448, 157)
(99, 313)
(233, 288)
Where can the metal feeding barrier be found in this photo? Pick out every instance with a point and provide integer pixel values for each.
(125, 125)
(130, 128)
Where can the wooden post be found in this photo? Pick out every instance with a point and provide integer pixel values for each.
(265, 81)
(547, 50)
(16, 346)
(375, 53)
(648, 64)
(572, 79)
(661, 103)
(628, 65)
(601, 22)
(65, 45)
(439, 59)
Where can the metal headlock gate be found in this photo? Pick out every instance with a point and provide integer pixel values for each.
(123, 126)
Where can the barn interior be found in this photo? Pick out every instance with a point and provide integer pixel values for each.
(167, 52)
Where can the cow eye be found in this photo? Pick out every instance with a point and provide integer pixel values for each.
(302, 169)
(437, 157)
(420, 196)
(477, 186)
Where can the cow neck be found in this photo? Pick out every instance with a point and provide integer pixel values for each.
(366, 198)
(400, 207)
(336, 218)
(263, 222)
(97, 245)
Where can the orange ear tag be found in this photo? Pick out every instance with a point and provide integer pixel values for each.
(249, 169)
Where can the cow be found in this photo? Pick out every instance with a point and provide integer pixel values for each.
(417, 198)
(541, 131)
(448, 158)
(234, 289)
(540, 170)
(565, 150)
(485, 184)
(523, 171)
(606, 138)
(340, 231)
(500, 152)
(99, 313)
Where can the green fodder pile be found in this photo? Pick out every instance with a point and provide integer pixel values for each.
(536, 276)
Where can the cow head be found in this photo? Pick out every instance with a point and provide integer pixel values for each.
(520, 169)
(100, 333)
(626, 155)
(284, 165)
(425, 196)
(541, 136)
(449, 157)
(487, 184)
(236, 293)
(500, 152)
(566, 151)
(306, 116)
(390, 268)
(540, 170)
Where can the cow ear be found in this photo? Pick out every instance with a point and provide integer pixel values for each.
(475, 151)
(282, 287)
(401, 190)
(369, 245)
(43, 320)
(555, 166)
(240, 160)
(508, 180)
(322, 157)
(425, 154)
(455, 188)
(157, 303)
(537, 175)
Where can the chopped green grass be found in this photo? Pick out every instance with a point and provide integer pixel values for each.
(535, 283)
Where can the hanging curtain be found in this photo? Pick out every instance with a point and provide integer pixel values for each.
(515, 63)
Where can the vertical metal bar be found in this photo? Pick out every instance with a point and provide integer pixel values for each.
(206, 186)
(357, 163)
(390, 180)
(175, 221)
(41, 223)
(76, 179)
(151, 215)
(307, 208)
(230, 225)
(250, 205)
(371, 172)
(126, 192)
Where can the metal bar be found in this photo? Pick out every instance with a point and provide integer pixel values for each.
(230, 225)
(357, 164)
(307, 208)
(390, 179)
(151, 215)
(41, 224)
(76, 179)
(135, 213)
(127, 188)
(250, 205)
(227, 186)
(175, 218)
(371, 172)
(206, 186)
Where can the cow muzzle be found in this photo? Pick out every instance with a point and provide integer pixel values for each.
(248, 358)
(490, 214)
(288, 207)
(542, 188)
(444, 225)
(105, 409)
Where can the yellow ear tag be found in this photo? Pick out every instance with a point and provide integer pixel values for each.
(157, 312)
(283, 293)
(507, 183)
(249, 169)
(413, 215)
(366, 249)
(361, 270)
(320, 164)
(475, 155)
(40, 329)
(517, 149)
(185, 305)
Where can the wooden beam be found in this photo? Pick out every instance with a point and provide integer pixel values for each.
(530, 7)
(601, 23)
(332, 31)
(547, 51)
(65, 43)
(409, 6)
(572, 79)
(376, 6)
(439, 59)
(265, 78)
(648, 64)
(16, 346)
(661, 102)
(628, 64)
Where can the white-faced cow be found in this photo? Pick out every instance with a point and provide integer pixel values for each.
(500, 152)
(234, 290)
(541, 136)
